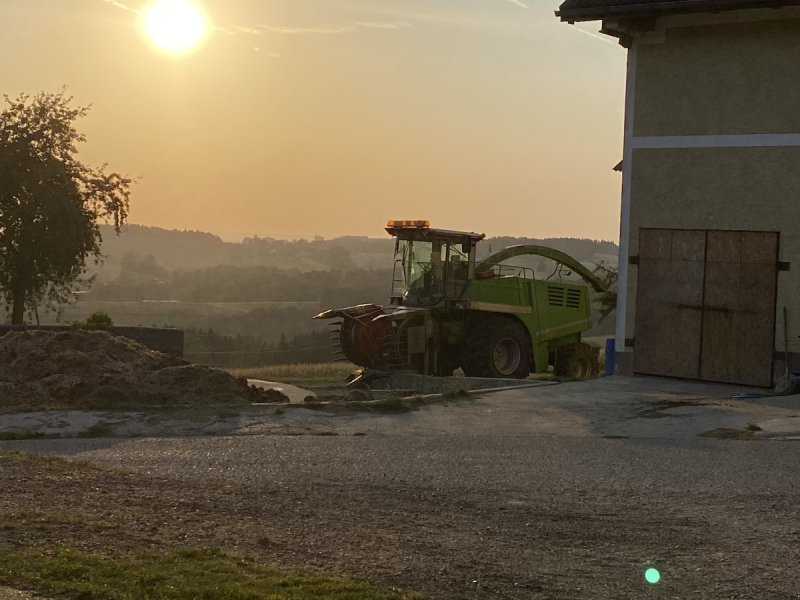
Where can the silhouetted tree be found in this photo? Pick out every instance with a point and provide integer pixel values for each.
(607, 300)
(50, 202)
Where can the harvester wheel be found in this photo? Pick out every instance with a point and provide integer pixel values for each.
(576, 361)
(497, 348)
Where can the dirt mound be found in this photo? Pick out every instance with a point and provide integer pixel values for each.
(94, 369)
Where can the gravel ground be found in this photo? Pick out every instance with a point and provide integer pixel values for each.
(481, 515)
(9, 594)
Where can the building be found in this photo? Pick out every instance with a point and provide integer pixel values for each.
(710, 223)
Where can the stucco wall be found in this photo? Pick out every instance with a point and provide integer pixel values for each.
(722, 188)
(722, 79)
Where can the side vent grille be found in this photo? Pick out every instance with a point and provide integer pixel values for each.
(555, 295)
(574, 298)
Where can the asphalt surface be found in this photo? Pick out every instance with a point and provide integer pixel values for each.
(541, 493)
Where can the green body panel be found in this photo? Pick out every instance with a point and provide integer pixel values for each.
(554, 312)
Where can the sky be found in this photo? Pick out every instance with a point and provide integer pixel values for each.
(296, 118)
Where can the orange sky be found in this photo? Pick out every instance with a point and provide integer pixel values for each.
(327, 117)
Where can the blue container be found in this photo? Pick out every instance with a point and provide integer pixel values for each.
(611, 356)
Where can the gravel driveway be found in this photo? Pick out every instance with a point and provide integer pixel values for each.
(490, 508)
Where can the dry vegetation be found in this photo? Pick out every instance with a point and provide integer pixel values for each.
(329, 372)
(96, 370)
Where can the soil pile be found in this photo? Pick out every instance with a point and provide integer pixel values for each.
(94, 369)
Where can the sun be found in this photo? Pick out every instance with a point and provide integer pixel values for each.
(176, 26)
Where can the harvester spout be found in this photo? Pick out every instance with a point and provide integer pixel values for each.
(565, 259)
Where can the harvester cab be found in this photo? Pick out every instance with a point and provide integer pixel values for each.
(432, 267)
(450, 310)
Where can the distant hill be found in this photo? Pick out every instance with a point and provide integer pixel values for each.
(173, 250)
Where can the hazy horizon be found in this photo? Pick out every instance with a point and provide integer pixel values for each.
(298, 118)
(380, 233)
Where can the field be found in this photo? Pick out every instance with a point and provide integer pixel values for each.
(172, 312)
(308, 374)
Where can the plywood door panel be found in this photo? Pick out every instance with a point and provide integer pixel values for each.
(738, 337)
(760, 247)
(669, 302)
(655, 244)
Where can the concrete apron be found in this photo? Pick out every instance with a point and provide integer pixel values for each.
(613, 407)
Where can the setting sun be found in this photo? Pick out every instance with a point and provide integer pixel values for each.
(175, 25)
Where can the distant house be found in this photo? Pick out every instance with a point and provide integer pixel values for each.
(710, 230)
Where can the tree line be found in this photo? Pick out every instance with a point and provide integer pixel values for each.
(209, 347)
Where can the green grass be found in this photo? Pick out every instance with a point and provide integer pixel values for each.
(43, 521)
(176, 575)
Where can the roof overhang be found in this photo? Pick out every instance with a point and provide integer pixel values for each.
(581, 10)
(428, 234)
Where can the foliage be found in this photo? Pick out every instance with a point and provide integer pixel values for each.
(607, 300)
(98, 320)
(206, 346)
(175, 575)
(186, 250)
(50, 202)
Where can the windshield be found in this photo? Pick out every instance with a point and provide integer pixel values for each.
(427, 272)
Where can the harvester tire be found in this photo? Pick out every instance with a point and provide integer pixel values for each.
(576, 361)
(497, 348)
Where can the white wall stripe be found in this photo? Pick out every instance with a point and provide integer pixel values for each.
(625, 210)
(752, 140)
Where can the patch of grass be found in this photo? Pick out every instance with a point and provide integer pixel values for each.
(549, 376)
(101, 429)
(39, 521)
(178, 575)
(752, 427)
(456, 394)
(226, 413)
(729, 434)
(396, 404)
(51, 462)
(299, 373)
(11, 436)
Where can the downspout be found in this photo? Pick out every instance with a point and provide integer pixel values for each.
(625, 208)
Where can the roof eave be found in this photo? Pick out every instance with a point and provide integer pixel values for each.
(673, 7)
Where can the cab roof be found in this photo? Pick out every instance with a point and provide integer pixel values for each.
(406, 231)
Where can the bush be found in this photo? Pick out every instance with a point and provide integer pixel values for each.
(97, 321)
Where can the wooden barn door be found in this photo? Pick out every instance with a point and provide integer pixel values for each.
(738, 344)
(705, 305)
(669, 297)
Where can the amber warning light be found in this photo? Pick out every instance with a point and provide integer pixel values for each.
(419, 223)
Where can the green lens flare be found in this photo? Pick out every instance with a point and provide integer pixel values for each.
(652, 576)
